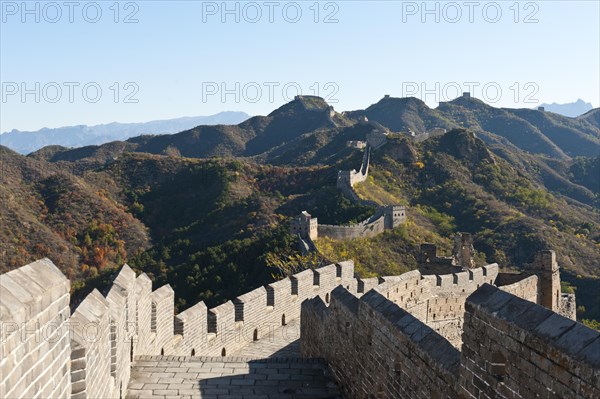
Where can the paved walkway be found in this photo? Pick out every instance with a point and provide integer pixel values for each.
(173, 377)
(269, 368)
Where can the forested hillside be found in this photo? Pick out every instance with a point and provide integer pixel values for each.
(188, 210)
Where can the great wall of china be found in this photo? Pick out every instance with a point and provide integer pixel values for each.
(447, 330)
(307, 227)
(414, 335)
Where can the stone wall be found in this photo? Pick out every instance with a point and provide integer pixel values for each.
(192, 325)
(348, 178)
(376, 349)
(568, 307)
(430, 263)
(91, 348)
(377, 138)
(512, 348)
(437, 300)
(365, 229)
(48, 352)
(108, 332)
(525, 287)
(163, 309)
(463, 256)
(34, 312)
(386, 217)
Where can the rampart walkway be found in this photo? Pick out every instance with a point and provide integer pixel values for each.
(168, 377)
(268, 368)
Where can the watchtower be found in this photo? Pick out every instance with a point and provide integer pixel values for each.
(546, 267)
(305, 225)
(463, 251)
(395, 215)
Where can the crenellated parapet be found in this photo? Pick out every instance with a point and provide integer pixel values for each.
(437, 299)
(386, 218)
(34, 342)
(192, 326)
(511, 348)
(163, 306)
(90, 344)
(49, 352)
(373, 345)
(540, 283)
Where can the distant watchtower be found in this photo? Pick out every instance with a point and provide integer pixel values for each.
(546, 267)
(395, 215)
(463, 251)
(466, 94)
(542, 109)
(305, 225)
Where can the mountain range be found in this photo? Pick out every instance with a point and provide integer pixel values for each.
(573, 109)
(82, 135)
(206, 209)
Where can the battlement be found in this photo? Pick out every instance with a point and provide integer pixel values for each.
(546, 266)
(514, 345)
(380, 336)
(35, 298)
(49, 352)
(545, 260)
(436, 299)
(511, 348)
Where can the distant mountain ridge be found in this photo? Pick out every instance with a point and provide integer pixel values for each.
(572, 110)
(307, 131)
(26, 142)
(534, 131)
(255, 136)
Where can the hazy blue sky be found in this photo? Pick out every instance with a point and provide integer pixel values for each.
(179, 55)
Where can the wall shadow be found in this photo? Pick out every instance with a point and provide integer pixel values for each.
(276, 376)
